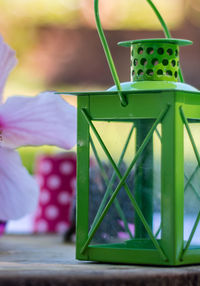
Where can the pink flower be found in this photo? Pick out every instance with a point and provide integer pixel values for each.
(43, 119)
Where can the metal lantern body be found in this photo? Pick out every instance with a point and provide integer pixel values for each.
(134, 202)
(154, 179)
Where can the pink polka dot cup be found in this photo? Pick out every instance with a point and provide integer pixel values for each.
(56, 175)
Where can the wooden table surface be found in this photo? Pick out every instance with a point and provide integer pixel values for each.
(45, 260)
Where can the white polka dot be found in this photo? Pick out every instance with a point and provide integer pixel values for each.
(64, 198)
(42, 226)
(46, 167)
(40, 180)
(66, 168)
(51, 212)
(53, 182)
(44, 196)
(62, 227)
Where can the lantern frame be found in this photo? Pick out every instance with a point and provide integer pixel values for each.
(168, 103)
(172, 108)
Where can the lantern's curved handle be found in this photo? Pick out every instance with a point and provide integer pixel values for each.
(108, 54)
(161, 20)
(166, 31)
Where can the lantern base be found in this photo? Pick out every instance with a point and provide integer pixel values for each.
(130, 252)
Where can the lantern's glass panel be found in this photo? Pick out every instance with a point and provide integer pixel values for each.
(157, 182)
(191, 183)
(122, 140)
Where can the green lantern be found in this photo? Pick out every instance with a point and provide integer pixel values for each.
(142, 206)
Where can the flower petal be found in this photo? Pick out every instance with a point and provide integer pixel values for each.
(18, 190)
(7, 63)
(45, 119)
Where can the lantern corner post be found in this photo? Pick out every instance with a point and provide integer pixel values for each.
(172, 178)
(83, 161)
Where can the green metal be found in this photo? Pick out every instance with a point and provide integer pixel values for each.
(154, 61)
(111, 182)
(122, 182)
(172, 183)
(159, 41)
(139, 87)
(126, 254)
(116, 203)
(82, 218)
(108, 54)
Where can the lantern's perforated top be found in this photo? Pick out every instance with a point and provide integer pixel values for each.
(155, 59)
(154, 67)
